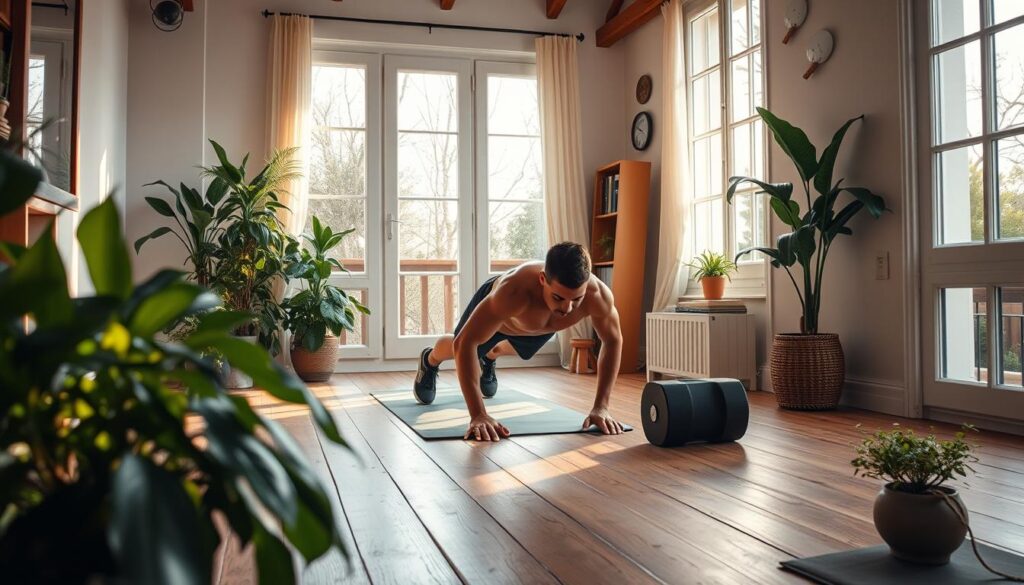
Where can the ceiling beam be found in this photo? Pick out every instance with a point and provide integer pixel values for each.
(613, 10)
(555, 8)
(447, 4)
(633, 17)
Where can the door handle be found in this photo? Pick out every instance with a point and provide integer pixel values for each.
(388, 223)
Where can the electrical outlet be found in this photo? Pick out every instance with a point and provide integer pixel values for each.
(882, 265)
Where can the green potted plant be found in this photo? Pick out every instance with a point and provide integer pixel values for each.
(111, 476)
(318, 314)
(808, 368)
(917, 515)
(711, 269)
(607, 245)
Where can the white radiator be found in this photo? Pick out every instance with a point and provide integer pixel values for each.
(694, 345)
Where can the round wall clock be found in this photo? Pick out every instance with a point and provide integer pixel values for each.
(642, 130)
(643, 89)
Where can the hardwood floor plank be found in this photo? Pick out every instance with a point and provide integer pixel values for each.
(477, 546)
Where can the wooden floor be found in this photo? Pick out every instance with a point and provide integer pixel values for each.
(591, 509)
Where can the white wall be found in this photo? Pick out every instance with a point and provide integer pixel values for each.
(207, 80)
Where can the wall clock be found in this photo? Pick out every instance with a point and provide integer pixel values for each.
(643, 89)
(642, 130)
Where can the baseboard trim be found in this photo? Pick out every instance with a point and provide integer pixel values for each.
(989, 423)
(362, 366)
(875, 395)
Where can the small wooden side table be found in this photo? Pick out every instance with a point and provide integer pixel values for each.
(582, 360)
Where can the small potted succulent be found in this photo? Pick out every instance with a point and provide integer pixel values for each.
(317, 314)
(711, 269)
(921, 519)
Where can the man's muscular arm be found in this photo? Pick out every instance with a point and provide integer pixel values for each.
(606, 325)
(482, 324)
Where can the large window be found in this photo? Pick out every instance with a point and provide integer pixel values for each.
(725, 85)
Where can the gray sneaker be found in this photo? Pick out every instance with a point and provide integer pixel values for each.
(425, 386)
(488, 380)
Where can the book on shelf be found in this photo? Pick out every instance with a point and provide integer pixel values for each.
(609, 194)
(711, 306)
(615, 193)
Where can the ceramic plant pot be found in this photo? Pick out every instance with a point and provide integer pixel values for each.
(920, 528)
(316, 366)
(714, 287)
(807, 370)
(236, 379)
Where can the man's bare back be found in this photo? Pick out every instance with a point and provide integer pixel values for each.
(519, 292)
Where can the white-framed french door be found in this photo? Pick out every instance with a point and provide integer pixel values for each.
(428, 199)
(971, 171)
(345, 181)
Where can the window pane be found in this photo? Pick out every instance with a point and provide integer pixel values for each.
(1010, 185)
(741, 151)
(745, 220)
(952, 19)
(428, 165)
(340, 215)
(700, 105)
(708, 225)
(758, 81)
(1003, 10)
(741, 89)
(512, 106)
(514, 168)
(339, 96)
(360, 336)
(428, 304)
(755, 22)
(428, 236)
(958, 93)
(427, 101)
(704, 42)
(1011, 314)
(964, 350)
(715, 160)
(1009, 45)
(961, 196)
(759, 150)
(715, 99)
(740, 31)
(701, 167)
(337, 163)
(518, 232)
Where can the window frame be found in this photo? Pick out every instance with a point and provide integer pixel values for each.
(750, 279)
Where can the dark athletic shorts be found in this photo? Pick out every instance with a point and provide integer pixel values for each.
(525, 345)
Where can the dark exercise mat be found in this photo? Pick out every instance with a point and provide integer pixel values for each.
(448, 418)
(875, 566)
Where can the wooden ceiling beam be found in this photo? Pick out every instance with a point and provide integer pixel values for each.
(633, 17)
(555, 8)
(613, 10)
(447, 4)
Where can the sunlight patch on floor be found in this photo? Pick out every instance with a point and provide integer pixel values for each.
(449, 417)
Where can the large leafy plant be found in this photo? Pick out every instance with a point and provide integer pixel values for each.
(815, 226)
(912, 463)
(320, 307)
(105, 471)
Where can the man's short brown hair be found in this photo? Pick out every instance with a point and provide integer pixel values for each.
(568, 263)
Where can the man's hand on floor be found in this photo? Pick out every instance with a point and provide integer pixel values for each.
(604, 421)
(485, 428)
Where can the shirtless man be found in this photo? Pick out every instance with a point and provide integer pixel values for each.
(516, 313)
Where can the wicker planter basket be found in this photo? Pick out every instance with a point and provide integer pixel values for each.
(316, 366)
(807, 370)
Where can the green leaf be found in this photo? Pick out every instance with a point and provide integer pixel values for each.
(166, 306)
(18, 181)
(216, 190)
(273, 560)
(787, 211)
(232, 172)
(875, 204)
(152, 235)
(823, 177)
(153, 527)
(805, 245)
(221, 322)
(160, 206)
(37, 285)
(99, 235)
(794, 143)
(782, 191)
(772, 253)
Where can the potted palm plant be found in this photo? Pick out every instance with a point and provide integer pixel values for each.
(917, 515)
(318, 314)
(712, 269)
(808, 368)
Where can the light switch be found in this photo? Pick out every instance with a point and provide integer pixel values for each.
(882, 265)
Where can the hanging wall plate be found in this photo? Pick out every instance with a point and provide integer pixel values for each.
(796, 14)
(818, 51)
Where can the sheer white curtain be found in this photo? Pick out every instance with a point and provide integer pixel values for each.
(673, 241)
(289, 91)
(558, 88)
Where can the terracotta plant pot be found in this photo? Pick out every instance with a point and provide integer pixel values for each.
(316, 366)
(714, 287)
(807, 370)
(920, 528)
(236, 379)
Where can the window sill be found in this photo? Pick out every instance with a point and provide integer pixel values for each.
(742, 295)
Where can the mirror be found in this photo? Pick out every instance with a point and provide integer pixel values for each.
(51, 125)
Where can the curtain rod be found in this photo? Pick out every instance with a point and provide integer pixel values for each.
(427, 25)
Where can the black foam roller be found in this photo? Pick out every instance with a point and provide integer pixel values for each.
(677, 412)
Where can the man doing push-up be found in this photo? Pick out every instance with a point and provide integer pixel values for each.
(516, 313)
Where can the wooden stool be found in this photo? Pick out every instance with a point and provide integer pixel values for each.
(582, 360)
